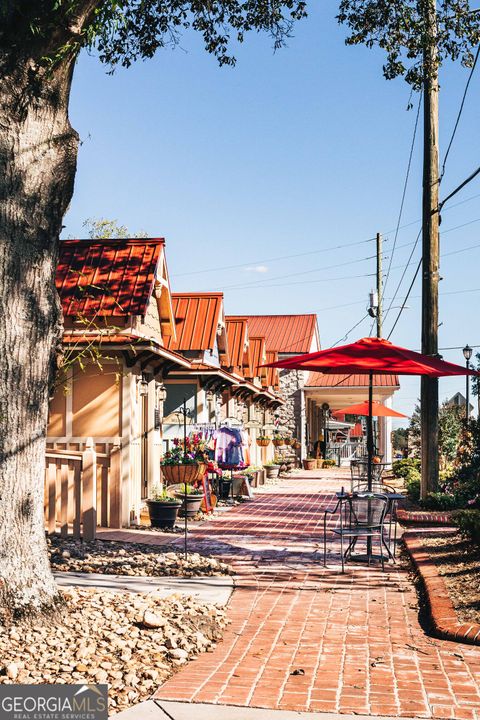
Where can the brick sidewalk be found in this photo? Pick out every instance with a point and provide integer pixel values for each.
(307, 638)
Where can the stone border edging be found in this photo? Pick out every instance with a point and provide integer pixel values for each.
(424, 517)
(442, 612)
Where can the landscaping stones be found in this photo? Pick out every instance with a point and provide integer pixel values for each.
(134, 559)
(103, 638)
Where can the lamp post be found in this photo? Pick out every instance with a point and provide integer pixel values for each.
(467, 354)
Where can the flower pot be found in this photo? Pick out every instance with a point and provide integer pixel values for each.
(289, 441)
(309, 464)
(319, 463)
(272, 471)
(192, 504)
(177, 474)
(278, 442)
(163, 514)
(263, 442)
(296, 445)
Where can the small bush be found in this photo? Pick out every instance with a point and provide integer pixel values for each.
(329, 463)
(413, 489)
(401, 468)
(440, 501)
(468, 522)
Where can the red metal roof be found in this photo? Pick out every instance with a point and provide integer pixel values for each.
(237, 335)
(107, 277)
(316, 379)
(259, 356)
(272, 374)
(285, 333)
(197, 317)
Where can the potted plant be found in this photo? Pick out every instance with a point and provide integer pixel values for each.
(263, 440)
(272, 468)
(185, 464)
(296, 444)
(278, 440)
(329, 462)
(309, 463)
(191, 498)
(288, 440)
(162, 509)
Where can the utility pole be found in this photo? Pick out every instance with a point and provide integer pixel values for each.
(379, 286)
(430, 254)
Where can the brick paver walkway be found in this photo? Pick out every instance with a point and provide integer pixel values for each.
(307, 638)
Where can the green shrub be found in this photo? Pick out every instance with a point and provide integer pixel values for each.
(328, 463)
(468, 522)
(413, 490)
(440, 501)
(402, 468)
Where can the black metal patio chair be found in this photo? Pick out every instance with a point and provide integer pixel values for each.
(360, 515)
(381, 488)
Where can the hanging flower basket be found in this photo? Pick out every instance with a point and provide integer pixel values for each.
(183, 473)
(278, 442)
(288, 440)
(263, 441)
(296, 445)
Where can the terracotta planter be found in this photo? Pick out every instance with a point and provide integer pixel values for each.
(263, 443)
(177, 474)
(163, 514)
(278, 442)
(272, 471)
(289, 441)
(319, 463)
(297, 445)
(309, 464)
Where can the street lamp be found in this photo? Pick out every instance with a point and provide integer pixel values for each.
(467, 354)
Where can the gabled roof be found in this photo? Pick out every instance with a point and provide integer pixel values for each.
(286, 333)
(107, 277)
(331, 380)
(272, 373)
(258, 356)
(197, 318)
(238, 344)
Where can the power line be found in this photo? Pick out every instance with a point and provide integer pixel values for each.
(403, 275)
(412, 146)
(459, 187)
(406, 298)
(455, 127)
(351, 330)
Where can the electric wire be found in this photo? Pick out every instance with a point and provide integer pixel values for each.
(402, 308)
(405, 185)
(350, 331)
(459, 115)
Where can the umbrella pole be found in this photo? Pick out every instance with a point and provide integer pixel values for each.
(369, 451)
(370, 430)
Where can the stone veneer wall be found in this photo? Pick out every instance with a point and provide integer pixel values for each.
(291, 381)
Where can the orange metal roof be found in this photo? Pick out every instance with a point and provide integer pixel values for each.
(237, 334)
(316, 379)
(197, 317)
(259, 356)
(107, 277)
(272, 374)
(285, 333)
(132, 342)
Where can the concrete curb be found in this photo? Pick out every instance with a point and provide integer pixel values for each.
(442, 613)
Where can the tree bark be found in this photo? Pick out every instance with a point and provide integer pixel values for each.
(38, 150)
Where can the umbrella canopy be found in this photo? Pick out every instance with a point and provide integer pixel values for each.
(378, 410)
(373, 355)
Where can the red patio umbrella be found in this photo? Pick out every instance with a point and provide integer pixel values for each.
(378, 410)
(370, 356)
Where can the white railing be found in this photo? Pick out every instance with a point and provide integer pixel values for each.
(342, 453)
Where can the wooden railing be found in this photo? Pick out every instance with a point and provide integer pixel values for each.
(82, 490)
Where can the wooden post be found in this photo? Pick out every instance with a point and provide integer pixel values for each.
(379, 286)
(89, 491)
(430, 260)
(114, 485)
(52, 495)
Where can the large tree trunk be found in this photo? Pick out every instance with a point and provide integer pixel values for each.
(38, 151)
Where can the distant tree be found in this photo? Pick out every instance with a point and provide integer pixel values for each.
(40, 41)
(450, 427)
(400, 439)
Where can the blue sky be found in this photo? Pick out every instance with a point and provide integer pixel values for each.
(288, 155)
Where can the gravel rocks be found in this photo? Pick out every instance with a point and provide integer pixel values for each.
(104, 637)
(134, 559)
